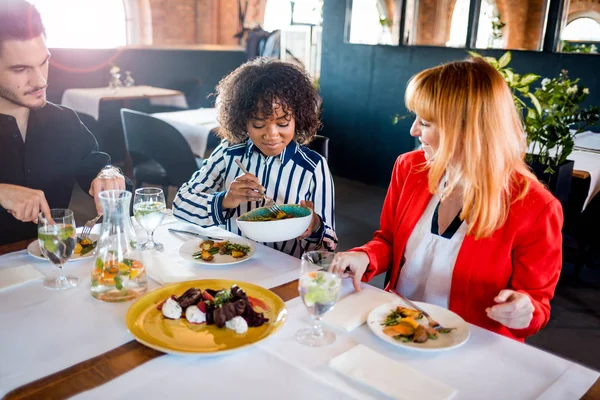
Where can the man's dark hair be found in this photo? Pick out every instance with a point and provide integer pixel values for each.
(19, 20)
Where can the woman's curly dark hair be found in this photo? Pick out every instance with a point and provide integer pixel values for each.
(250, 91)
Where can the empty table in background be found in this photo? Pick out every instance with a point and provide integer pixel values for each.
(194, 125)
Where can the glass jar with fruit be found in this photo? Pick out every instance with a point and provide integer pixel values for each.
(118, 273)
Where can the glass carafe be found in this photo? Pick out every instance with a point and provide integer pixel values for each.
(118, 274)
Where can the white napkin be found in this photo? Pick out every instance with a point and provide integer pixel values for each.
(390, 377)
(352, 311)
(15, 276)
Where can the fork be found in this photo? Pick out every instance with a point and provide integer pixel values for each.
(269, 202)
(432, 323)
(87, 228)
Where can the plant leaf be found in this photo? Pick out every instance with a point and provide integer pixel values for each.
(474, 54)
(528, 79)
(505, 59)
(510, 75)
(535, 103)
(492, 61)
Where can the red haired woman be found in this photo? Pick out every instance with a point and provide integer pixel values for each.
(465, 224)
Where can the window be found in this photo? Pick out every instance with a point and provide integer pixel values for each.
(460, 24)
(582, 30)
(278, 13)
(83, 24)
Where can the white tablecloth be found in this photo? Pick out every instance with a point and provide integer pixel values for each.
(586, 156)
(488, 366)
(588, 141)
(43, 331)
(87, 100)
(590, 162)
(194, 125)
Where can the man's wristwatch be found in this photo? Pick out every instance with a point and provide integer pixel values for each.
(110, 171)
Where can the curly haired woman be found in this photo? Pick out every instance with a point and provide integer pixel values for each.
(267, 110)
(465, 224)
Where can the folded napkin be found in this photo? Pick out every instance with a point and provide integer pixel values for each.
(389, 377)
(352, 311)
(15, 276)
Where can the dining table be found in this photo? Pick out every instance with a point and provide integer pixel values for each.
(87, 100)
(63, 344)
(194, 125)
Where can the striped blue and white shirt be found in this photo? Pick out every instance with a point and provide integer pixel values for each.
(298, 173)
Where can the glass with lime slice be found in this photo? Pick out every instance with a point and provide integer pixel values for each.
(56, 238)
(320, 290)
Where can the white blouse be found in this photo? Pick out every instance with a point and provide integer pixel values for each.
(429, 258)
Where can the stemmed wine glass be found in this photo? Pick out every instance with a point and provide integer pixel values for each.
(57, 240)
(320, 290)
(149, 210)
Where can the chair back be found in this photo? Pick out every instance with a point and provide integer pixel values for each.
(148, 137)
(320, 144)
(94, 127)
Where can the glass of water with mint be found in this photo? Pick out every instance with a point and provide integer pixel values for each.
(149, 210)
(57, 239)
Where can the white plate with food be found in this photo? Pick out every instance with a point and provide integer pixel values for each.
(82, 251)
(402, 326)
(217, 253)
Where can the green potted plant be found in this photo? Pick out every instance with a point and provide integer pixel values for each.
(552, 118)
(518, 84)
(551, 125)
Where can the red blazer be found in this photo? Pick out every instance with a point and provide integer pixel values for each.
(525, 254)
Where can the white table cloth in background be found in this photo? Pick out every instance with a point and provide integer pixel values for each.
(586, 156)
(488, 366)
(44, 331)
(87, 100)
(194, 125)
(588, 141)
(589, 162)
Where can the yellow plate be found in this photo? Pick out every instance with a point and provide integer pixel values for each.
(149, 327)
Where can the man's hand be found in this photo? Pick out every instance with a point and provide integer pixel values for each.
(102, 183)
(23, 203)
(514, 309)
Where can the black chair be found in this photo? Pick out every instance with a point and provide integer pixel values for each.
(93, 126)
(193, 90)
(160, 154)
(320, 144)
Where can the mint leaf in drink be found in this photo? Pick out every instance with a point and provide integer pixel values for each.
(118, 282)
(99, 263)
(66, 232)
(50, 245)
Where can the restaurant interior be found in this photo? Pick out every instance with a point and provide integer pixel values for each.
(142, 76)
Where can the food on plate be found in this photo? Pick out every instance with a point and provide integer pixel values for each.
(280, 215)
(401, 324)
(229, 308)
(194, 315)
(171, 309)
(209, 248)
(84, 246)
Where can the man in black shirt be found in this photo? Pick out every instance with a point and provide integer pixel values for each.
(44, 148)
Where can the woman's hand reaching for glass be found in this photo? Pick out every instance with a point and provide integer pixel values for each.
(353, 264)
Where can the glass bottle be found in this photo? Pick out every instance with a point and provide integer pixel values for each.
(118, 273)
(128, 81)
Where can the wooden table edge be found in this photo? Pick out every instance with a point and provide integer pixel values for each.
(101, 369)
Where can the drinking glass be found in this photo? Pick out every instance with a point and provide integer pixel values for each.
(320, 290)
(149, 210)
(57, 240)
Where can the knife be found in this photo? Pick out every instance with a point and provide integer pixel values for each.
(196, 234)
